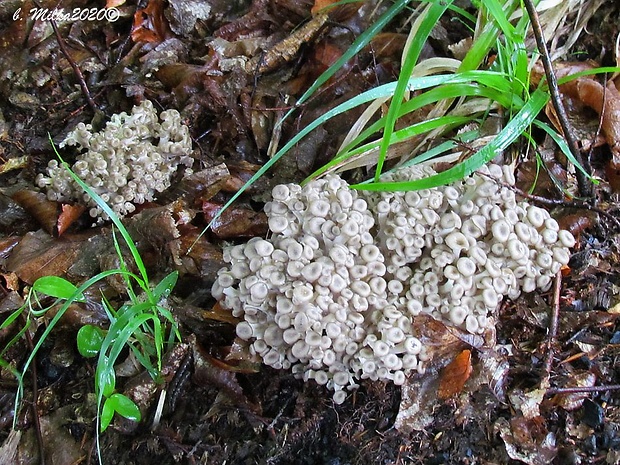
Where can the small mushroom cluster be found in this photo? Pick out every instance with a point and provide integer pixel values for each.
(333, 293)
(132, 159)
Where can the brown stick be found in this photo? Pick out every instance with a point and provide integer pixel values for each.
(576, 390)
(585, 186)
(76, 68)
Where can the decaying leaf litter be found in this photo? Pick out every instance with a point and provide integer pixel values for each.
(233, 71)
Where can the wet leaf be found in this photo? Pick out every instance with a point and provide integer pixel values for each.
(41, 209)
(235, 222)
(454, 376)
(572, 401)
(68, 216)
(150, 25)
(89, 340)
(527, 440)
(38, 254)
(210, 371)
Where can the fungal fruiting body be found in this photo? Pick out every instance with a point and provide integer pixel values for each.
(334, 291)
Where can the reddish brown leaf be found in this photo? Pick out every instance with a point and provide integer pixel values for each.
(150, 25)
(38, 254)
(455, 375)
(235, 221)
(70, 213)
(210, 371)
(41, 209)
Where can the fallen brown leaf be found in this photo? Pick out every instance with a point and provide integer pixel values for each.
(454, 376)
(235, 221)
(150, 25)
(41, 209)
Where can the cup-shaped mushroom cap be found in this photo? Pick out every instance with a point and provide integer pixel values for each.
(370, 253)
(263, 248)
(338, 253)
(244, 330)
(517, 250)
(466, 266)
(450, 221)
(380, 349)
(294, 250)
(394, 335)
(458, 315)
(312, 271)
(544, 260)
(451, 272)
(490, 298)
(361, 288)
(273, 336)
(536, 216)
(395, 286)
(302, 294)
(471, 324)
(281, 192)
(501, 229)
(561, 255)
(457, 241)
(549, 236)
(566, 238)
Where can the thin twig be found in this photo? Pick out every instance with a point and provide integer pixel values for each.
(76, 68)
(574, 204)
(577, 390)
(553, 331)
(585, 186)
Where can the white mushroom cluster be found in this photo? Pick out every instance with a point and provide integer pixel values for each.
(333, 293)
(132, 159)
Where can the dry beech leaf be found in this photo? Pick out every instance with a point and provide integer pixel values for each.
(68, 216)
(235, 222)
(39, 254)
(454, 376)
(150, 25)
(209, 371)
(11, 281)
(41, 209)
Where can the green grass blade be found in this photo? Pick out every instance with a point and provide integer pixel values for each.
(111, 214)
(509, 134)
(564, 147)
(426, 22)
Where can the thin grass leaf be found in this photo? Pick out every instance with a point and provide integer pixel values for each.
(111, 214)
(509, 134)
(564, 147)
(496, 10)
(359, 43)
(414, 130)
(439, 94)
(425, 24)
(165, 286)
(52, 324)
